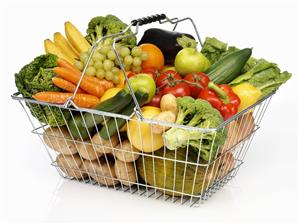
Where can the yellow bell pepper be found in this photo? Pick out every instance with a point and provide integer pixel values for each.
(140, 133)
(247, 93)
(110, 93)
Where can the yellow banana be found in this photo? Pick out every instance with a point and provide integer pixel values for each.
(76, 38)
(61, 42)
(51, 48)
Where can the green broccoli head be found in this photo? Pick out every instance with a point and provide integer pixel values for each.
(100, 26)
(36, 77)
(196, 113)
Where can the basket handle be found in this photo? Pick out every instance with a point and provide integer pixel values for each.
(148, 19)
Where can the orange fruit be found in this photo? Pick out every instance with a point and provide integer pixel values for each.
(155, 56)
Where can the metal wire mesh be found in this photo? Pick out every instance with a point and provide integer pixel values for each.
(179, 176)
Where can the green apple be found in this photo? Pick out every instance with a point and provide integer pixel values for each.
(189, 60)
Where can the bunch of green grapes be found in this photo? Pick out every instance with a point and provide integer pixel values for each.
(104, 63)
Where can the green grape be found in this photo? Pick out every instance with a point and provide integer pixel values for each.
(128, 60)
(127, 67)
(91, 71)
(100, 73)
(102, 57)
(109, 75)
(83, 56)
(136, 61)
(144, 56)
(118, 46)
(98, 64)
(96, 56)
(104, 49)
(79, 65)
(136, 69)
(91, 62)
(115, 70)
(136, 51)
(116, 79)
(108, 65)
(111, 55)
(124, 51)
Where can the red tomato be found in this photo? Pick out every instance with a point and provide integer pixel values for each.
(153, 72)
(155, 102)
(167, 77)
(197, 78)
(178, 90)
(131, 74)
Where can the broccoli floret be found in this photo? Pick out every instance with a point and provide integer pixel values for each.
(100, 26)
(196, 113)
(36, 77)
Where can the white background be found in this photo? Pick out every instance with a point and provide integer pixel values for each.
(265, 189)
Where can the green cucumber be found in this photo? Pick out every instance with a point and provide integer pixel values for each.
(229, 67)
(115, 124)
(81, 125)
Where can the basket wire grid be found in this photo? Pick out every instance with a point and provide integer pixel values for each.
(89, 161)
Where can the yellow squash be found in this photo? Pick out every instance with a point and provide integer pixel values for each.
(110, 93)
(140, 133)
(76, 38)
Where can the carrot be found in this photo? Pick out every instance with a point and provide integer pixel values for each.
(81, 99)
(65, 85)
(65, 64)
(103, 82)
(87, 85)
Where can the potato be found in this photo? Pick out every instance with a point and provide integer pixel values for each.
(87, 151)
(227, 164)
(126, 152)
(168, 102)
(60, 140)
(102, 173)
(104, 146)
(237, 131)
(166, 116)
(71, 165)
(125, 172)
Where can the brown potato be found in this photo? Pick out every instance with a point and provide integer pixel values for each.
(168, 103)
(125, 172)
(60, 140)
(227, 164)
(237, 131)
(126, 152)
(104, 146)
(71, 165)
(166, 116)
(87, 151)
(102, 173)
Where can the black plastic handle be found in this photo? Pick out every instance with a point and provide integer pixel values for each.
(148, 19)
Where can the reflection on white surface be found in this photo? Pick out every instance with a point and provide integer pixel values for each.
(77, 201)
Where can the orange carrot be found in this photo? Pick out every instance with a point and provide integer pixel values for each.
(103, 82)
(65, 64)
(87, 85)
(81, 99)
(65, 85)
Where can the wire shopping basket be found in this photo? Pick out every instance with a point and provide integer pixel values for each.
(179, 176)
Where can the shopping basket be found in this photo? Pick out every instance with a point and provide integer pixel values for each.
(179, 176)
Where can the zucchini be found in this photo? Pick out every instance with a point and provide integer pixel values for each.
(81, 125)
(229, 67)
(115, 124)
